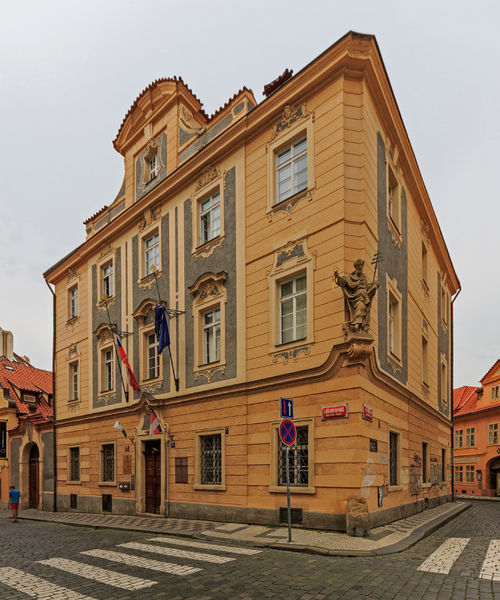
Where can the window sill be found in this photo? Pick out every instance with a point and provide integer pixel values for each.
(397, 238)
(209, 487)
(107, 484)
(73, 483)
(72, 320)
(278, 489)
(395, 488)
(207, 249)
(289, 203)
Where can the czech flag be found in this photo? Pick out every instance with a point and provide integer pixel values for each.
(154, 424)
(132, 381)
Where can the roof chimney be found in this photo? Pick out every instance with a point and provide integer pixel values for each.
(7, 344)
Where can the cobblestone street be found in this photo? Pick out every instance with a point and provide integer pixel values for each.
(459, 561)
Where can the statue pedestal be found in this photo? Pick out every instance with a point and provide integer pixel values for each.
(360, 344)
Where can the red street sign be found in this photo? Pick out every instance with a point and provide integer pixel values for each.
(367, 413)
(288, 433)
(339, 411)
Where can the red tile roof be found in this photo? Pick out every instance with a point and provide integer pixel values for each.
(465, 400)
(18, 376)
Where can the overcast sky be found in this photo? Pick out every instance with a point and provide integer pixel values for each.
(70, 70)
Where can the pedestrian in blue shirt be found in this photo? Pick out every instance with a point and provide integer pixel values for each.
(14, 501)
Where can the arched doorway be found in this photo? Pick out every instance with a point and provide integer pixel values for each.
(494, 474)
(33, 476)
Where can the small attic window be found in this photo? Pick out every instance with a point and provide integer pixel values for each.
(8, 368)
(151, 165)
(29, 398)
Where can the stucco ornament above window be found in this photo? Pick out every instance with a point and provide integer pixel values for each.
(358, 294)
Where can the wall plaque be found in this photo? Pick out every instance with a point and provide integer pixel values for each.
(339, 411)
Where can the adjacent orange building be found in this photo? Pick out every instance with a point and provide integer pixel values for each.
(26, 427)
(247, 224)
(476, 415)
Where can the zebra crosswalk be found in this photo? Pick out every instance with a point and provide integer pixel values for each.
(39, 587)
(445, 556)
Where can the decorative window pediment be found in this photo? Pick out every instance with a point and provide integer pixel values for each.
(144, 313)
(208, 287)
(104, 333)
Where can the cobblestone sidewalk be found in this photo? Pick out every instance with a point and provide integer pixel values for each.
(395, 537)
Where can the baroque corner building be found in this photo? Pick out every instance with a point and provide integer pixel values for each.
(253, 219)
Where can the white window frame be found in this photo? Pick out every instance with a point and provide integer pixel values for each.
(107, 279)
(151, 371)
(293, 297)
(459, 438)
(211, 335)
(459, 473)
(296, 155)
(302, 128)
(469, 474)
(470, 437)
(107, 376)
(209, 216)
(393, 194)
(152, 253)
(215, 187)
(493, 433)
(495, 392)
(443, 374)
(394, 320)
(74, 380)
(73, 301)
(425, 265)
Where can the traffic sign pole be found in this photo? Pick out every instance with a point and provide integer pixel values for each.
(288, 509)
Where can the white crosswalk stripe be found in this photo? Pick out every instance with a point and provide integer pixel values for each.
(36, 587)
(193, 544)
(491, 565)
(126, 582)
(139, 561)
(442, 559)
(164, 550)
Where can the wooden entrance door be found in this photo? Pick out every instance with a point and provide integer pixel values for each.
(33, 476)
(153, 476)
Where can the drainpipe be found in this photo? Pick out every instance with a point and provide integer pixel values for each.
(451, 396)
(54, 445)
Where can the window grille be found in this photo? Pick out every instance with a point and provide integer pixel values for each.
(393, 458)
(74, 464)
(211, 459)
(298, 459)
(108, 462)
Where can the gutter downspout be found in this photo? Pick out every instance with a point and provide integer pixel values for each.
(451, 396)
(54, 445)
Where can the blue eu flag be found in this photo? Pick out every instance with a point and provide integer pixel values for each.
(161, 328)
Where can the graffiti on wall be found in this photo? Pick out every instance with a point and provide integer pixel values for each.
(414, 475)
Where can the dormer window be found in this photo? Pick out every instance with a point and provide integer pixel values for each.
(29, 398)
(151, 165)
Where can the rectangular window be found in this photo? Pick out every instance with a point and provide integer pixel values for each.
(209, 218)
(153, 359)
(211, 336)
(425, 267)
(444, 384)
(151, 253)
(493, 433)
(73, 302)
(211, 459)
(394, 325)
(153, 167)
(495, 392)
(425, 469)
(470, 436)
(73, 381)
(393, 458)
(459, 438)
(298, 460)
(107, 280)
(293, 310)
(444, 306)
(291, 170)
(393, 199)
(459, 474)
(425, 360)
(107, 370)
(74, 464)
(108, 463)
(443, 464)
(469, 473)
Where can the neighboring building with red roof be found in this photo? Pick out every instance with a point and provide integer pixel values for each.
(26, 417)
(476, 413)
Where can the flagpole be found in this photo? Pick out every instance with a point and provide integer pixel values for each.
(160, 302)
(125, 391)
